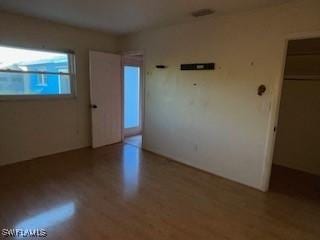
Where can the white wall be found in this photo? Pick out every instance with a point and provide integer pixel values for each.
(220, 125)
(35, 128)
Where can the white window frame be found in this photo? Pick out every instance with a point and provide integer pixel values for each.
(42, 82)
(71, 74)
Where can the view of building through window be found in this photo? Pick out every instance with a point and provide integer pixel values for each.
(33, 72)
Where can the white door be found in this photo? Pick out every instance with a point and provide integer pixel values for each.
(105, 92)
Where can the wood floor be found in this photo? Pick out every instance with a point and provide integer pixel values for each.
(120, 192)
(294, 183)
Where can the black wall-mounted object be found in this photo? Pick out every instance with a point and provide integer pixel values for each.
(161, 66)
(262, 89)
(198, 66)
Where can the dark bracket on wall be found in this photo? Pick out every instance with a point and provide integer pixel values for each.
(197, 66)
(161, 66)
(261, 89)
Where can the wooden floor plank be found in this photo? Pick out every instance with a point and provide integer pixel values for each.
(122, 192)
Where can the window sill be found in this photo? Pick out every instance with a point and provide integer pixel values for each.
(36, 97)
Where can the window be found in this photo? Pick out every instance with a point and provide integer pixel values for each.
(42, 80)
(26, 72)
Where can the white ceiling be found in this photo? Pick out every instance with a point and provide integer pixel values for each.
(125, 16)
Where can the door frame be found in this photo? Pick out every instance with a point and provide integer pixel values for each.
(275, 108)
(130, 59)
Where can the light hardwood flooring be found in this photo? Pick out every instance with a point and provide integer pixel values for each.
(121, 192)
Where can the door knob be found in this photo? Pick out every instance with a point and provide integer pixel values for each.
(94, 106)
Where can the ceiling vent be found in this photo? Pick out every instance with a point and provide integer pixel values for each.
(202, 12)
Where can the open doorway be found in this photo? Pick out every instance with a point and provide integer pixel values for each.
(133, 99)
(296, 160)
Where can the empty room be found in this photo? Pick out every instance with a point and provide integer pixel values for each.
(174, 119)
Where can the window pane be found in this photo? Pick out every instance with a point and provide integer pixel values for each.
(17, 59)
(34, 84)
(131, 97)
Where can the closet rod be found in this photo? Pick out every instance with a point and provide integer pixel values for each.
(304, 54)
(303, 80)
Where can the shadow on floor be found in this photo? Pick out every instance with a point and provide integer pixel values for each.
(295, 183)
